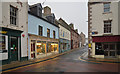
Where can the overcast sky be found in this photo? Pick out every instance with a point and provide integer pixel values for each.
(72, 11)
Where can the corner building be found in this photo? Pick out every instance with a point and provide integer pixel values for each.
(105, 28)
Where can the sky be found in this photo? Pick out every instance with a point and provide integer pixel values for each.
(72, 11)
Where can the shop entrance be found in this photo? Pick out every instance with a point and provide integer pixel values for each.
(110, 50)
(14, 48)
(32, 49)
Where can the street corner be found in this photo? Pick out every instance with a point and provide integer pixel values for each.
(98, 60)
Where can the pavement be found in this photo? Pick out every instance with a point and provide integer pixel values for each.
(75, 60)
(84, 57)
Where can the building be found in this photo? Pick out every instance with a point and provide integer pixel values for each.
(43, 39)
(104, 32)
(82, 39)
(75, 37)
(64, 36)
(13, 31)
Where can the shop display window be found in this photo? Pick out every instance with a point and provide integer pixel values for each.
(2, 44)
(41, 48)
(98, 49)
(52, 47)
(118, 48)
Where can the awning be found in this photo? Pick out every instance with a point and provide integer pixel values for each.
(106, 38)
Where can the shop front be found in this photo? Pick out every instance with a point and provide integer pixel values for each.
(64, 45)
(107, 46)
(42, 46)
(10, 43)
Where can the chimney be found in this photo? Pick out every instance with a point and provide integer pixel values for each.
(47, 10)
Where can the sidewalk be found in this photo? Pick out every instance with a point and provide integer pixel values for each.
(18, 64)
(84, 57)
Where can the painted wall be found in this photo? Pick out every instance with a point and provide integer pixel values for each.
(98, 16)
(119, 18)
(64, 33)
(22, 22)
(0, 12)
(33, 26)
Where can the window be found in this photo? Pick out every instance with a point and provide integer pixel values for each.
(13, 15)
(48, 32)
(98, 49)
(107, 26)
(2, 44)
(118, 48)
(53, 34)
(40, 30)
(63, 33)
(106, 7)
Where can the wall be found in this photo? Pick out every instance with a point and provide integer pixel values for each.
(98, 16)
(0, 12)
(119, 18)
(33, 26)
(67, 34)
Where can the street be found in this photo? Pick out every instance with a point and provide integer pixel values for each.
(69, 63)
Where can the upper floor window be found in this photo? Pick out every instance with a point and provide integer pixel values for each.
(53, 34)
(106, 7)
(13, 15)
(40, 30)
(63, 33)
(48, 32)
(107, 26)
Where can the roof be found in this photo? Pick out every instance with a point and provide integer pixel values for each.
(63, 23)
(42, 19)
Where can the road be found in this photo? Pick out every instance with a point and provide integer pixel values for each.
(69, 63)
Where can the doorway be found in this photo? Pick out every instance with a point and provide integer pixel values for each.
(14, 48)
(32, 49)
(110, 50)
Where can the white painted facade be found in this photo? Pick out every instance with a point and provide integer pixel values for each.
(22, 21)
(97, 18)
(66, 33)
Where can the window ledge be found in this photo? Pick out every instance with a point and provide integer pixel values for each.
(107, 12)
(107, 34)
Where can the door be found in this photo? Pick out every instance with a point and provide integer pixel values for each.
(110, 50)
(14, 48)
(71, 44)
(33, 50)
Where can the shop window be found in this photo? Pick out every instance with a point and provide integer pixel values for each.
(48, 32)
(53, 34)
(41, 48)
(52, 47)
(98, 49)
(13, 15)
(40, 30)
(3, 44)
(107, 26)
(118, 48)
(106, 7)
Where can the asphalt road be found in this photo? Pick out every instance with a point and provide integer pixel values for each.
(69, 63)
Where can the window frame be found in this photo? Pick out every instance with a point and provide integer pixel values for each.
(107, 26)
(48, 33)
(54, 34)
(13, 15)
(40, 30)
(106, 8)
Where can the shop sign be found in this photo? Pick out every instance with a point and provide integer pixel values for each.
(89, 45)
(3, 32)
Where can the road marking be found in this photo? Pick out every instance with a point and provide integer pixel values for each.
(92, 60)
